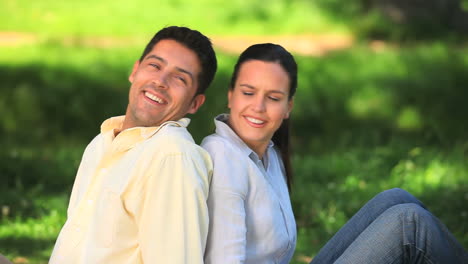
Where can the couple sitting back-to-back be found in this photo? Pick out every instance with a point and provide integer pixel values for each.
(146, 193)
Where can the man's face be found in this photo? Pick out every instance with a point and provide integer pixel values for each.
(163, 86)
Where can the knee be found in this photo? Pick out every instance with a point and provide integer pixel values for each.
(398, 196)
(409, 211)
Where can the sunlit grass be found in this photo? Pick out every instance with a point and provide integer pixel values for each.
(136, 18)
(364, 121)
(30, 239)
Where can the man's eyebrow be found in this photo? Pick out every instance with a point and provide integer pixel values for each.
(165, 62)
(157, 58)
(186, 72)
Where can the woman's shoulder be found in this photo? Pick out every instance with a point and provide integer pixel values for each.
(230, 166)
(218, 145)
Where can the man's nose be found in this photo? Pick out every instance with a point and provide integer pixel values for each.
(160, 80)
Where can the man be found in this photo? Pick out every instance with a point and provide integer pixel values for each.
(140, 192)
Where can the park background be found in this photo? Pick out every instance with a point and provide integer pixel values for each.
(381, 101)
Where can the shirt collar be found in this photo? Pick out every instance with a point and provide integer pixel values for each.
(225, 131)
(129, 137)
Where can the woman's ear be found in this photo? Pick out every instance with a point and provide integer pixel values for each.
(229, 98)
(290, 107)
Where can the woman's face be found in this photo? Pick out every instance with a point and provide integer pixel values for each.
(259, 102)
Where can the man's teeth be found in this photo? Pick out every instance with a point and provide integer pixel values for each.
(255, 121)
(154, 98)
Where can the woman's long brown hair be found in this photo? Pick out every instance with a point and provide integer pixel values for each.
(269, 52)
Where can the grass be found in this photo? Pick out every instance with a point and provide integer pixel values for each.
(366, 119)
(32, 238)
(137, 18)
(333, 186)
(351, 136)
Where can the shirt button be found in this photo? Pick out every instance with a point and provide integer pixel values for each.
(103, 171)
(90, 201)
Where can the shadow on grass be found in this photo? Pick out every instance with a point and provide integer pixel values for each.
(43, 103)
(365, 98)
(449, 205)
(48, 104)
(28, 248)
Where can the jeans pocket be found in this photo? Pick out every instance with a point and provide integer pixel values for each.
(107, 218)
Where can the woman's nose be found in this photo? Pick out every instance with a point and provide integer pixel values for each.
(258, 104)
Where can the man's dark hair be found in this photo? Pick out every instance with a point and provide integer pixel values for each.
(195, 41)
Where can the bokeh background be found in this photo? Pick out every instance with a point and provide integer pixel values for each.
(381, 102)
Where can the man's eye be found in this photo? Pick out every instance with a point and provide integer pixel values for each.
(156, 66)
(247, 93)
(274, 98)
(182, 79)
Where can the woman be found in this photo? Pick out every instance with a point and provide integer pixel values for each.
(251, 220)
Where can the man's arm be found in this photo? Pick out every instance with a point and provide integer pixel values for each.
(173, 217)
(86, 169)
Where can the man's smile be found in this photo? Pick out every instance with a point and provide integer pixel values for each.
(155, 98)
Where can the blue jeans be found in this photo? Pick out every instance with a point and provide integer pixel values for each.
(393, 227)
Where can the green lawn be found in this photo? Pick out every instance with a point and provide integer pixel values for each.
(366, 119)
(123, 18)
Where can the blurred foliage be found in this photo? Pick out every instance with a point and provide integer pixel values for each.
(401, 20)
(398, 20)
(416, 92)
(85, 17)
(364, 121)
(387, 112)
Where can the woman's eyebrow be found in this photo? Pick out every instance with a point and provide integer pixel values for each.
(247, 85)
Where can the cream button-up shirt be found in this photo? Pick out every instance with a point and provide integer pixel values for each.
(138, 197)
(251, 219)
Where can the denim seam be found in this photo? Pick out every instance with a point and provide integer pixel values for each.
(423, 252)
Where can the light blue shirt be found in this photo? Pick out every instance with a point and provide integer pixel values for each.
(251, 219)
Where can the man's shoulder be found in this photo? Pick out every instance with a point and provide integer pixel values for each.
(94, 143)
(174, 139)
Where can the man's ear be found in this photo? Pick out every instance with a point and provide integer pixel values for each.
(197, 101)
(290, 107)
(135, 68)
